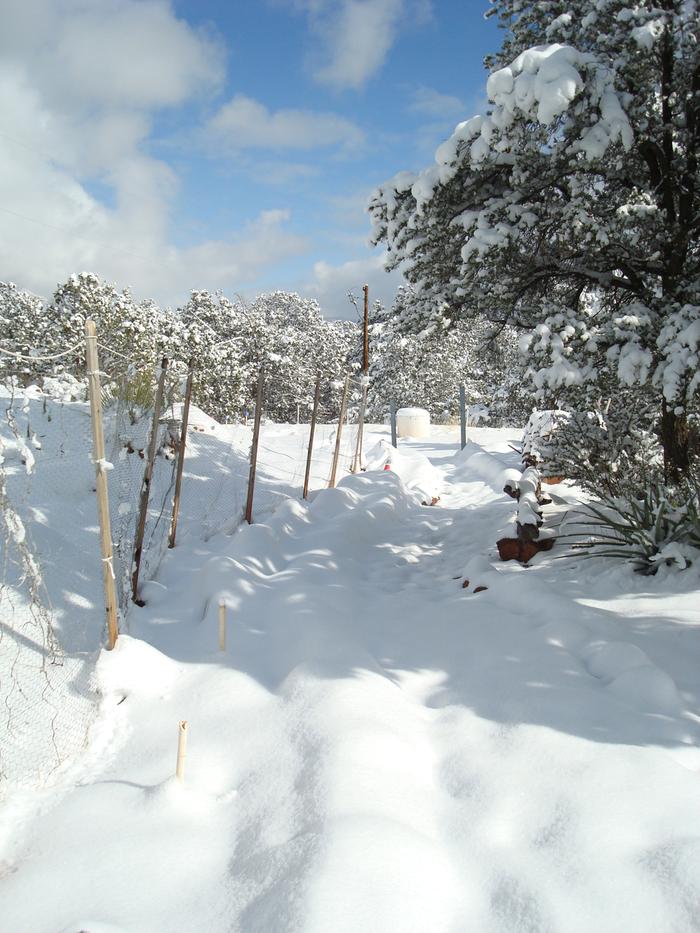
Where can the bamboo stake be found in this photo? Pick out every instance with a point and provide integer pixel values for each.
(98, 455)
(357, 462)
(341, 419)
(222, 625)
(146, 485)
(254, 450)
(181, 456)
(181, 751)
(314, 415)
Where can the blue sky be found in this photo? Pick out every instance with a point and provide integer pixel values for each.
(170, 146)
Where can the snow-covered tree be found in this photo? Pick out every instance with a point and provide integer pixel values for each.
(427, 369)
(212, 338)
(295, 344)
(571, 207)
(228, 341)
(25, 330)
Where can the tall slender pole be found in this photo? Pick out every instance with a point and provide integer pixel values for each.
(357, 462)
(365, 341)
(392, 416)
(146, 484)
(341, 419)
(254, 449)
(98, 455)
(181, 455)
(314, 416)
(463, 415)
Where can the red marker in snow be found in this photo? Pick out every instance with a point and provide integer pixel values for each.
(387, 466)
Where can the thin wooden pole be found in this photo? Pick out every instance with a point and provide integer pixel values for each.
(365, 341)
(222, 625)
(254, 450)
(181, 751)
(146, 484)
(463, 415)
(98, 455)
(392, 417)
(357, 463)
(314, 416)
(341, 419)
(181, 456)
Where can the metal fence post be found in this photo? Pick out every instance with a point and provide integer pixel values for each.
(463, 415)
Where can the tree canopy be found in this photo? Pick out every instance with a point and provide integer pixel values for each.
(570, 209)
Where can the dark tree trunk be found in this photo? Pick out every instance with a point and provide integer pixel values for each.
(675, 440)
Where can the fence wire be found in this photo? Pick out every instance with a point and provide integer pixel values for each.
(52, 617)
(45, 696)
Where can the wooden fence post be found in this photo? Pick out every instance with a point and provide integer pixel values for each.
(463, 415)
(146, 484)
(357, 462)
(98, 456)
(392, 418)
(341, 419)
(181, 456)
(314, 416)
(254, 450)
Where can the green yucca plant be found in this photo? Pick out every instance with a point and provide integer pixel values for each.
(661, 524)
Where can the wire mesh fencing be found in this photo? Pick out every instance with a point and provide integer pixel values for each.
(45, 665)
(52, 619)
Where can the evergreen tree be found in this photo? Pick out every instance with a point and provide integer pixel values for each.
(571, 208)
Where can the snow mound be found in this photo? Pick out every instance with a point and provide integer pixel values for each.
(415, 470)
(134, 667)
(487, 467)
(630, 674)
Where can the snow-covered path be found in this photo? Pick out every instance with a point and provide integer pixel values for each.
(381, 749)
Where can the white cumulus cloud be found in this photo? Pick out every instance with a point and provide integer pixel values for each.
(355, 36)
(244, 123)
(80, 84)
(331, 284)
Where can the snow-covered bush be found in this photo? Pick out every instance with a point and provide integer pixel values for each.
(64, 387)
(613, 450)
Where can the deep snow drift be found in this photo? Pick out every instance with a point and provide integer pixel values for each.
(381, 748)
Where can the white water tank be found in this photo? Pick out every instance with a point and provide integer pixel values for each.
(412, 422)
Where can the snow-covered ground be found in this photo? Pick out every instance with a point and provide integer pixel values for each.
(380, 748)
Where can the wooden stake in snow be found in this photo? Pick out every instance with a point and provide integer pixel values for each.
(222, 625)
(181, 456)
(98, 456)
(181, 751)
(341, 419)
(146, 484)
(314, 416)
(254, 449)
(392, 417)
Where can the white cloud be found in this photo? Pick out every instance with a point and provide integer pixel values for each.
(121, 53)
(244, 123)
(80, 82)
(357, 35)
(431, 103)
(330, 284)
